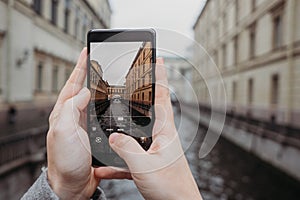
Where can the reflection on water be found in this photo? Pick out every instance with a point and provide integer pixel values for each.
(228, 172)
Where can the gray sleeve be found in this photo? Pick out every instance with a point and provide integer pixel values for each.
(41, 190)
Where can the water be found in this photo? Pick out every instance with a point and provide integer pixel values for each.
(228, 172)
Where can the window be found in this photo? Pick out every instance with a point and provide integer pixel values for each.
(54, 11)
(55, 79)
(234, 92)
(92, 24)
(150, 96)
(236, 49)
(67, 73)
(224, 23)
(252, 30)
(39, 77)
(182, 72)
(274, 89)
(250, 91)
(277, 14)
(143, 96)
(224, 55)
(76, 22)
(67, 15)
(253, 3)
(215, 57)
(37, 6)
(84, 27)
(277, 37)
(236, 12)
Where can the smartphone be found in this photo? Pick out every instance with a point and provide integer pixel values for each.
(121, 78)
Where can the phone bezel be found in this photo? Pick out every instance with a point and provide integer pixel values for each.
(125, 35)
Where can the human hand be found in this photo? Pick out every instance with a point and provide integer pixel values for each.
(69, 153)
(162, 172)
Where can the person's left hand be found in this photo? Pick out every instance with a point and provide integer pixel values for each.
(69, 153)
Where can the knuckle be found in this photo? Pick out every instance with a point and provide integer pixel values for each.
(123, 141)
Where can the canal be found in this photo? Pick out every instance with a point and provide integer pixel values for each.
(227, 172)
(118, 117)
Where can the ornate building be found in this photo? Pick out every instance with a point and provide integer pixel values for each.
(39, 45)
(255, 45)
(116, 91)
(139, 80)
(99, 87)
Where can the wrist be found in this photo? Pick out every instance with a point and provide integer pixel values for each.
(64, 189)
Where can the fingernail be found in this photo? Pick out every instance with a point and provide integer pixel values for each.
(113, 137)
(83, 91)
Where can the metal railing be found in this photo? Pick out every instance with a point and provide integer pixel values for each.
(283, 134)
(22, 147)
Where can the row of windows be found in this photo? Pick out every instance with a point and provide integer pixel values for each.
(81, 21)
(223, 20)
(276, 13)
(137, 96)
(277, 42)
(116, 91)
(251, 91)
(40, 77)
(274, 90)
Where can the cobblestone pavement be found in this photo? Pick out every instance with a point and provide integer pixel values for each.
(227, 172)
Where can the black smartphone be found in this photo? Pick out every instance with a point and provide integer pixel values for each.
(121, 78)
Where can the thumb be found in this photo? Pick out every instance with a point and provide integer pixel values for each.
(81, 100)
(126, 147)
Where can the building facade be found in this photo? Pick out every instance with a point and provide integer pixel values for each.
(139, 80)
(39, 45)
(116, 91)
(180, 75)
(99, 87)
(255, 45)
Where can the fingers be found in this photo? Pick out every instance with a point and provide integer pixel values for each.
(111, 173)
(76, 79)
(162, 95)
(163, 108)
(71, 109)
(126, 147)
(81, 100)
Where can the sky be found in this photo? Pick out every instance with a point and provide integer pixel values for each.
(176, 15)
(115, 59)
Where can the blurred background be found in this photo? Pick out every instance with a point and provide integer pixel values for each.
(253, 44)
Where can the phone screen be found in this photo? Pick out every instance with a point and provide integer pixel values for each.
(121, 82)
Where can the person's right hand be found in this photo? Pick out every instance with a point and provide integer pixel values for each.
(162, 172)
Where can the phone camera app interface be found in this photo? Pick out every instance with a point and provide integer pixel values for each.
(121, 92)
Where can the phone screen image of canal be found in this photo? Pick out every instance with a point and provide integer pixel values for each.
(226, 173)
(119, 117)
